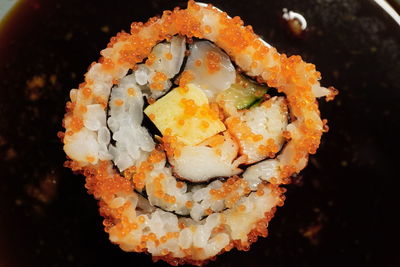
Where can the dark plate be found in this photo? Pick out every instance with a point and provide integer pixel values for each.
(341, 209)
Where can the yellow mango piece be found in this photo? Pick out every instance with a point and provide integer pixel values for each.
(186, 114)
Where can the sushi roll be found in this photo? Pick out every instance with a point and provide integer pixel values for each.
(186, 129)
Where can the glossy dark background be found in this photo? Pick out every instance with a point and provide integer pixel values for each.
(341, 210)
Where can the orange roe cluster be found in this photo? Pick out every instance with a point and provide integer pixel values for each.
(233, 36)
(213, 62)
(171, 145)
(101, 181)
(159, 190)
(270, 148)
(76, 124)
(115, 221)
(158, 80)
(186, 77)
(231, 191)
(191, 109)
(139, 175)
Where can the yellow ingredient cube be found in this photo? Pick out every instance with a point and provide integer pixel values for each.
(186, 114)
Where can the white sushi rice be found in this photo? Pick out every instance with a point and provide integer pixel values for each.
(131, 139)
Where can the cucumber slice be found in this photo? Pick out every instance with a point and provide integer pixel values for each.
(244, 93)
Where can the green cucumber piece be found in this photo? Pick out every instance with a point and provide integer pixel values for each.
(244, 93)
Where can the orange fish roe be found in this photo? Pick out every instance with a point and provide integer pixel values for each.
(189, 204)
(152, 116)
(76, 124)
(270, 148)
(152, 236)
(241, 208)
(163, 239)
(181, 122)
(185, 78)
(288, 170)
(100, 183)
(286, 135)
(192, 110)
(206, 112)
(241, 130)
(180, 184)
(107, 63)
(257, 137)
(218, 229)
(131, 92)
(141, 219)
(168, 56)
(204, 124)
(171, 145)
(161, 195)
(197, 63)
(90, 159)
(231, 191)
(181, 225)
(87, 92)
(231, 201)
(139, 175)
(189, 106)
(157, 155)
(70, 106)
(151, 100)
(208, 211)
(260, 190)
(103, 102)
(170, 235)
(159, 77)
(170, 199)
(156, 86)
(183, 90)
(325, 126)
(213, 61)
(138, 180)
(83, 109)
(207, 29)
(333, 93)
(168, 131)
(150, 59)
(118, 102)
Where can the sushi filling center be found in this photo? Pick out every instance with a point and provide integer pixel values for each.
(193, 133)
